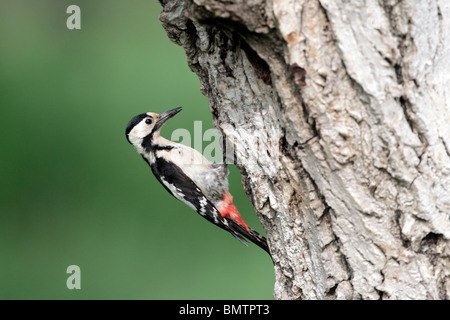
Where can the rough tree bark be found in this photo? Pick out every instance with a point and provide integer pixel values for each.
(339, 115)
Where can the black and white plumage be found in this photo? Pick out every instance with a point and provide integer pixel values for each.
(189, 176)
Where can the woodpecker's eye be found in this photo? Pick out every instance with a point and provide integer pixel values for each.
(148, 121)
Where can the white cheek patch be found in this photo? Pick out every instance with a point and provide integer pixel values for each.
(141, 130)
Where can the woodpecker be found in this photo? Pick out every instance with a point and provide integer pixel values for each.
(188, 176)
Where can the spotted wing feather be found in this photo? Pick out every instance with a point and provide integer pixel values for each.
(184, 189)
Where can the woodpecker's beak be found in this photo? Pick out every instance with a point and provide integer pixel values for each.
(163, 117)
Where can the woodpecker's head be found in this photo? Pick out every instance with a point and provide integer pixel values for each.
(144, 125)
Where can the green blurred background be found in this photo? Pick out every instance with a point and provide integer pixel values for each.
(74, 191)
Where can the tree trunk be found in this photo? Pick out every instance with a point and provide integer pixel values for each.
(337, 112)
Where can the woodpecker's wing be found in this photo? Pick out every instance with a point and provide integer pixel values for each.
(210, 178)
(183, 188)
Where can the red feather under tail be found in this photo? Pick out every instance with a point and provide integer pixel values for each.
(229, 211)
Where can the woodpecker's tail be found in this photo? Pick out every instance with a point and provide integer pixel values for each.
(238, 226)
(249, 234)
